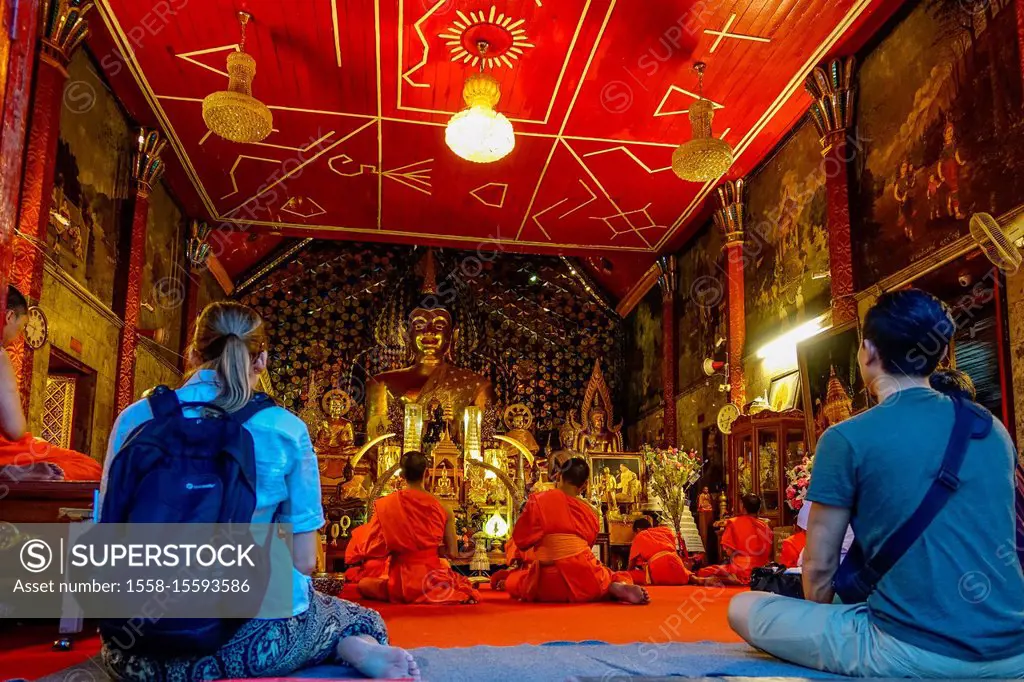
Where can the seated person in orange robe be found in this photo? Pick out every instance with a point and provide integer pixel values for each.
(21, 455)
(793, 547)
(359, 564)
(747, 540)
(652, 557)
(561, 528)
(410, 526)
(517, 562)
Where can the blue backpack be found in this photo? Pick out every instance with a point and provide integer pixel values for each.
(176, 469)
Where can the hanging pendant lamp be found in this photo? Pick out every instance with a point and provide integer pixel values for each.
(235, 114)
(704, 157)
(478, 133)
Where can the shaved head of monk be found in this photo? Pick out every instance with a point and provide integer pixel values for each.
(576, 472)
(751, 503)
(414, 464)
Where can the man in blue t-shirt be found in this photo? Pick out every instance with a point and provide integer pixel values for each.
(953, 606)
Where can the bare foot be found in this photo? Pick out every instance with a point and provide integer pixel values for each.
(377, 661)
(630, 594)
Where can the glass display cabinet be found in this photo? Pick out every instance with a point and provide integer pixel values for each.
(761, 448)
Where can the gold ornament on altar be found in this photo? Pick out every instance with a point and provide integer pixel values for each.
(838, 405)
(704, 157)
(594, 433)
(235, 114)
(518, 421)
(478, 133)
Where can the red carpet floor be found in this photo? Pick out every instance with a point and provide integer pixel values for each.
(675, 614)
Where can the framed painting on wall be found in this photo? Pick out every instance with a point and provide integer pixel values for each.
(784, 393)
(832, 387)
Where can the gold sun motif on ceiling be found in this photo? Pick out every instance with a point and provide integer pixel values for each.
(505, 38)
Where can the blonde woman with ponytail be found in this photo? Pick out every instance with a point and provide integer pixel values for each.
(226, 357)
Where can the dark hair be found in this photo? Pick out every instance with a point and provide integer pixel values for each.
(954, 382)
(911, 330)
(414, 463)
(576, 472)
(643, 523)
(751, 503)
(16, 301)
(557, 463)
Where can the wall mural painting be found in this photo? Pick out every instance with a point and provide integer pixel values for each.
(163, 276)
(524, 321)
(787, 278)
(91, 182)
(644, 360)
(943, 144)
(701, 304)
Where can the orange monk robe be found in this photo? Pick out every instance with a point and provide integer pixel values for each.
(561, 530)
(653, 554)
(748, 539)
(408, 526)
(28, 450)
(360, 565)
(517, 561)
(792, 546)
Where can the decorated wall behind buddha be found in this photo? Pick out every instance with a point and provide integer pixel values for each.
(526, 322)
(786, 278)
(939, 119)
(644, 358)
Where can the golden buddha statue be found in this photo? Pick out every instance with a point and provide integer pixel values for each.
(431, 377)
(594, 434)
(518, 420)
(335, 439)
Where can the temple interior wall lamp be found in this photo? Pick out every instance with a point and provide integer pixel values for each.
(235, 114)
(780, 353)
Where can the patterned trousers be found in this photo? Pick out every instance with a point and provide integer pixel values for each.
(260, 648)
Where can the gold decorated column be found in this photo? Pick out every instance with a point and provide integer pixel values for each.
(667, 282)
(729, 218)
(64, 27)
(831, 86)
(147, 167)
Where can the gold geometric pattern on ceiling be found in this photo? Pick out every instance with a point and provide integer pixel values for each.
(455, 35)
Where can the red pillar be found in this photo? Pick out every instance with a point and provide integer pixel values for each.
(667, 281)
(840, 251)
(146, 170)
(64, 28)
(729, 220)
(831, 86)
(20, 22)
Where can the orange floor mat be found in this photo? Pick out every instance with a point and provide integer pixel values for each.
(675, 614)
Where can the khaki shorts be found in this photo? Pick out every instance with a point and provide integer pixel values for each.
(841, 639)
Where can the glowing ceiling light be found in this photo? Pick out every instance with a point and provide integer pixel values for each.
(704, 157)
(478, 133)
(235, 114)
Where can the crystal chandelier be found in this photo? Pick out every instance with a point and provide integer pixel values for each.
(235, 114)
(197, 248)
(705, 157)
(478, 133)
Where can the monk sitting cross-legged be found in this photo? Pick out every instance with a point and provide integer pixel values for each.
(360, 565)
(652, 557)
(410, 527)
(748, 542)
(22, 456)
(518, 562)
(562, 528)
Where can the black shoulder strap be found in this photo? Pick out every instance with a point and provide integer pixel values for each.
(164, 403)
(970, 421)
(258, 403)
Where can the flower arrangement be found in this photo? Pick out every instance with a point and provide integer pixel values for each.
(799, 478)
(670, 473)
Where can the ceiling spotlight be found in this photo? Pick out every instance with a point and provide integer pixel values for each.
(534, 278)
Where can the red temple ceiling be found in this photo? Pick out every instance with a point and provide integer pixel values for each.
(360, 91)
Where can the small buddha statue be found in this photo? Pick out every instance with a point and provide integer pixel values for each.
(335, 441)
(596, 437)
(594, 433)
(354, 486)
(518, 420)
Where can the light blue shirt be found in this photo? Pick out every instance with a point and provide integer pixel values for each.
(287, 473)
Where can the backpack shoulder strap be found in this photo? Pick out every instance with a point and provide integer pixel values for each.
(258, 403)
(971, 421)
(164, 403)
